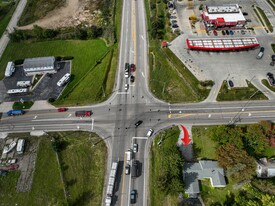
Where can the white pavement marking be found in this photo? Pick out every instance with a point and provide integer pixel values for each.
(209, 115)
(249, 114)
(78, 127)
(140, 138)
(169, 108)
(142, 74)
(35, 117)
(92, 127)
(69, 115)
(141, 36)
(180, 112)
(32, 128)
(122, 92)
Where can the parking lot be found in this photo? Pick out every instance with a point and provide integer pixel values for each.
(46, 87)
(237, 66)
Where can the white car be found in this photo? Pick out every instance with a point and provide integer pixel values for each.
(126, 74)
(126, 87)
(150, 132)
(127, 169)
(135, 148)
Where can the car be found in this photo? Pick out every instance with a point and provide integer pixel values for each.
(133, 196)
(12, 161)
(126, 66)
(62, 109)
(245, 13)
(173, 17)
(126, 87)
(175, 26)
(135, 148)
(138, 123)
(261, 53)
(132, 68)
(126, 74)
(132, 78)
(262, 49)
(269, 74)
(271, 80)
(242, 31)
(227, 32)
(248, 20)
(231, 32)
(150, 132)
(223, 32)
(127, 169)
(174, 21)
(215, 33)
(230, 82)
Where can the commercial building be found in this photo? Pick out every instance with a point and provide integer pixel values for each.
(40, 65)
(216, 17)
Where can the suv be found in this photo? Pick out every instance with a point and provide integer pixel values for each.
(132, 68)
(62, 109)
(138, 123)
(126, 87)
(231, 84)
(127, 169)
(132, 78)
(133, 196)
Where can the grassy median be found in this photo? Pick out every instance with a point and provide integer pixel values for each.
(6, 11)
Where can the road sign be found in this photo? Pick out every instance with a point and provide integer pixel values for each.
(22, 100)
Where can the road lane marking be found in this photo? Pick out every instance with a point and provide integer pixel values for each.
(142, 74)
(140, 138)
(209, 115)
(69, 115)
(35, 117)
(141, 36)
(92, 127)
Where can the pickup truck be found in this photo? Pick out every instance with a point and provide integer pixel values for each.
(15, 112)
(83, 113)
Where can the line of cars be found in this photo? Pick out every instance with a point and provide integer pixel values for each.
(129, 70)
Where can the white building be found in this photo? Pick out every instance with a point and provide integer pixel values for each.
(39, 65)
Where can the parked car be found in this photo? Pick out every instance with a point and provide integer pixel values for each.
(126, 87)
(261, 53)
(135, 148)
(270, 78)
(231, 32)
(149, 133)
(127, 169)
(223, 32)
(132, 78)
(173, 17)
(62, 109)
(126, 74)
(133, 197)
(245, 13)
(242, 31)
(248, 20)
(227, 32)
(138, 123)
(175, 26)
(231, 84)
(215, 33)
(132, 68)
(174, 21)
(126, 66)
(269, 74)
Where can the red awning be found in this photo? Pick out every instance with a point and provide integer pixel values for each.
(220, 20)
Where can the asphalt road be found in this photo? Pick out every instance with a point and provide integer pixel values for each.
(114, 119)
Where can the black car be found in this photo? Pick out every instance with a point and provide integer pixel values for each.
(227, 32)
(138, 123)
(132, 78)
(223, 32)
(127, 66)
(262, 49)
(133, 196)
(245, 13)
(175, 26)
(173, 17)
(269, 74)
(231, 84)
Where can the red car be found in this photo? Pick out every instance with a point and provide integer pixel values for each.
(133, 68)
(215, 33)
(62, 109)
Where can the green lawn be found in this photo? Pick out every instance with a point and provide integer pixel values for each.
(82, 163)
(266, 83)
(83, 160)
(47, 188)
(269, 152)
(203, 146)
(86, 56)
(25, 105)
(169, 140)
(265, 19)
(240, 93)
(6, 11)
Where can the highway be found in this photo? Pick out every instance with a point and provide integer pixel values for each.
(114, 120)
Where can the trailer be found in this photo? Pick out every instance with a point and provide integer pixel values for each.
(23, 83)
(64, 80)
(83, 113)
(15, 112)
(128, 156)
(9, 69)
(111, 184)
(17, 91)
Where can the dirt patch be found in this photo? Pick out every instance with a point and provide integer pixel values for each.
(73, 13)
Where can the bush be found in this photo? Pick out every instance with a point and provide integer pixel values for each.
(19, 62)
(207, 83)
(68, 58)
(51, 100)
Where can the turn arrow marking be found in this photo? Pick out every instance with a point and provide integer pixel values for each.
(186, 140)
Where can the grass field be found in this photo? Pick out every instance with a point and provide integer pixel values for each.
(266, 83)
(157, 196)
(240, 93)
(265, 19)
(82, 166)
(203, 146)
(35, 10)
(6, 11)
(86, 56)
(47, 188)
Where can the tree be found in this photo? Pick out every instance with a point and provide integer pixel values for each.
(81, 33)
(240, 166)
(255, 139)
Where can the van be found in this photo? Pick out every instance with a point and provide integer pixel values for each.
(20, 146)
(261, 53)
(134, 172)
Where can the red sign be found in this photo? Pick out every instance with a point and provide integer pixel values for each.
(186, 140)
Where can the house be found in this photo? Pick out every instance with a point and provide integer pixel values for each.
(193, 172)
(265, 168)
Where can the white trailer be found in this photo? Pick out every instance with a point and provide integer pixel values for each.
(128, 156)
(111, 184)
(63, 80)
(20, 146)
(23, 83)
(9, 69)
(17, 91)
